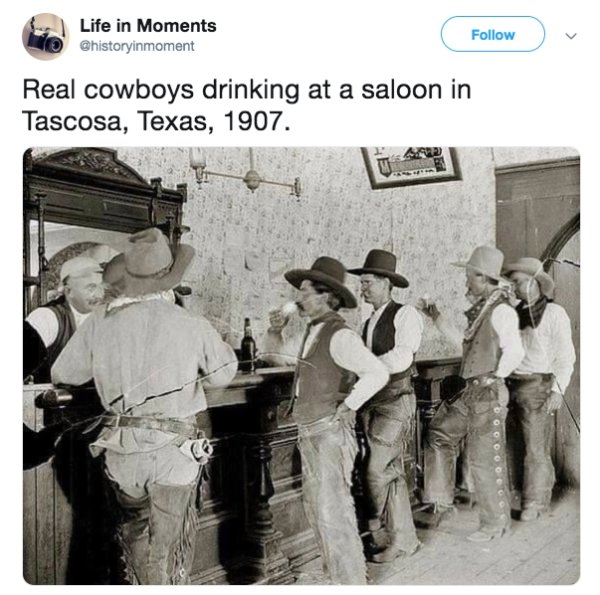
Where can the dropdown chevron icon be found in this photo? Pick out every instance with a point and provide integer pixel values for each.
(570, 36)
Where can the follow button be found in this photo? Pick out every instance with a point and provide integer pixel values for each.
(493, 34)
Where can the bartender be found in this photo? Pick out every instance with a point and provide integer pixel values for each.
(46, 331)
(81, 290)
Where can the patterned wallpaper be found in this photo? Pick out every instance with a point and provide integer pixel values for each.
(244, 241)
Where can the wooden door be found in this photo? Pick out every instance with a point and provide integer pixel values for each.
(67, 521)
(537, 214)
(47, 519)
(566, 445)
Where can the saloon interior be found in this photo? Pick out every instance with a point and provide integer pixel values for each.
(247, 229)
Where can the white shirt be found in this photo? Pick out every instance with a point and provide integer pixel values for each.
(549, 347)
(137, 351)
(45, 322)
(346, 349)
(408, 325)
(505, 323)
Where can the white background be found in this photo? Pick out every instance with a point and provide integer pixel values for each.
(543, 98)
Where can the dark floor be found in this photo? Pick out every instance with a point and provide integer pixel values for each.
(543, 552)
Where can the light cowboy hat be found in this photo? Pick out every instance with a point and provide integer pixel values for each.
(485, 260)
(382, 263)
(534, 268)
(148, 265)
(330, 272)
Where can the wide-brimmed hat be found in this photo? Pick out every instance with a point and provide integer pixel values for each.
(148, 265)
(330, 272)
(485, 260)
(534, 268)
(382, 263)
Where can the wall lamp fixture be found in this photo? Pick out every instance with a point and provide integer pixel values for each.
(252, 178)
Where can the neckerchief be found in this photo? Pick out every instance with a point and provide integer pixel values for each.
(474, 311)
(531, 314)
(121, 301)
(478, 311)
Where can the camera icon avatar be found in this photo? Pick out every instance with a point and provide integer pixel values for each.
(46, 40)
(45, 36)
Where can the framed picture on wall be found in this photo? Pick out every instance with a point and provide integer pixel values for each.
(389, 167)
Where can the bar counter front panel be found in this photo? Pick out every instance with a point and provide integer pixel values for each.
(252, 529)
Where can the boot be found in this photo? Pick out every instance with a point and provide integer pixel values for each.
(532, 512)
(394, 550)
(437, 514)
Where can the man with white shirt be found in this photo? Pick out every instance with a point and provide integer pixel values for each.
(150, 361)
(393, 333)
(492, 350)
(538, 385)
(82, 290)
(325, 398)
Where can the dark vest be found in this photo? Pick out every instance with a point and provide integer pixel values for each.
(35, 355)
(66, 327)
(384, 334)
(481, 353)
(384, 339)
(322, 384)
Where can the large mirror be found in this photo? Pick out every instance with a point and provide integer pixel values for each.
(85, 199)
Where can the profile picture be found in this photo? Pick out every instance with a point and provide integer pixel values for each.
(45, 36)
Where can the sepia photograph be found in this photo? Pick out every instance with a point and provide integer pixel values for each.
(301, 365)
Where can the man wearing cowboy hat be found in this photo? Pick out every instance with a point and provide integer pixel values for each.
(324, 402)
(393, 333)
(150, 361)
(81, 290)
(538, 384)
(492, 350)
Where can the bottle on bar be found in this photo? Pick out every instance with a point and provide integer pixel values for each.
(247, 350)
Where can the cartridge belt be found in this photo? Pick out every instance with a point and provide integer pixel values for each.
(176, 426)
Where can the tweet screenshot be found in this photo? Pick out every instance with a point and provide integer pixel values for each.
(263, 343)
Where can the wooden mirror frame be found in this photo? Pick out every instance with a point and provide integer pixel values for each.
(91, 187)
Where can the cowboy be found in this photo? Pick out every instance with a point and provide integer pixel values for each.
(393, 333)
(150, 361)
(324, 402)
(81, 289)
(492, 350)
(538, 385)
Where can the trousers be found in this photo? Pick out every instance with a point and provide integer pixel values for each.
(388, 430)
(156, 494)
(328, 451)
(528, 395)
(478, 416)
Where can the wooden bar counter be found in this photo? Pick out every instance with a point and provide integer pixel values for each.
(253, 528)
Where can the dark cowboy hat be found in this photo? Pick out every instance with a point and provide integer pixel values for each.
(382, 263)
(147, 265)
(330, 272)
(534, 268)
